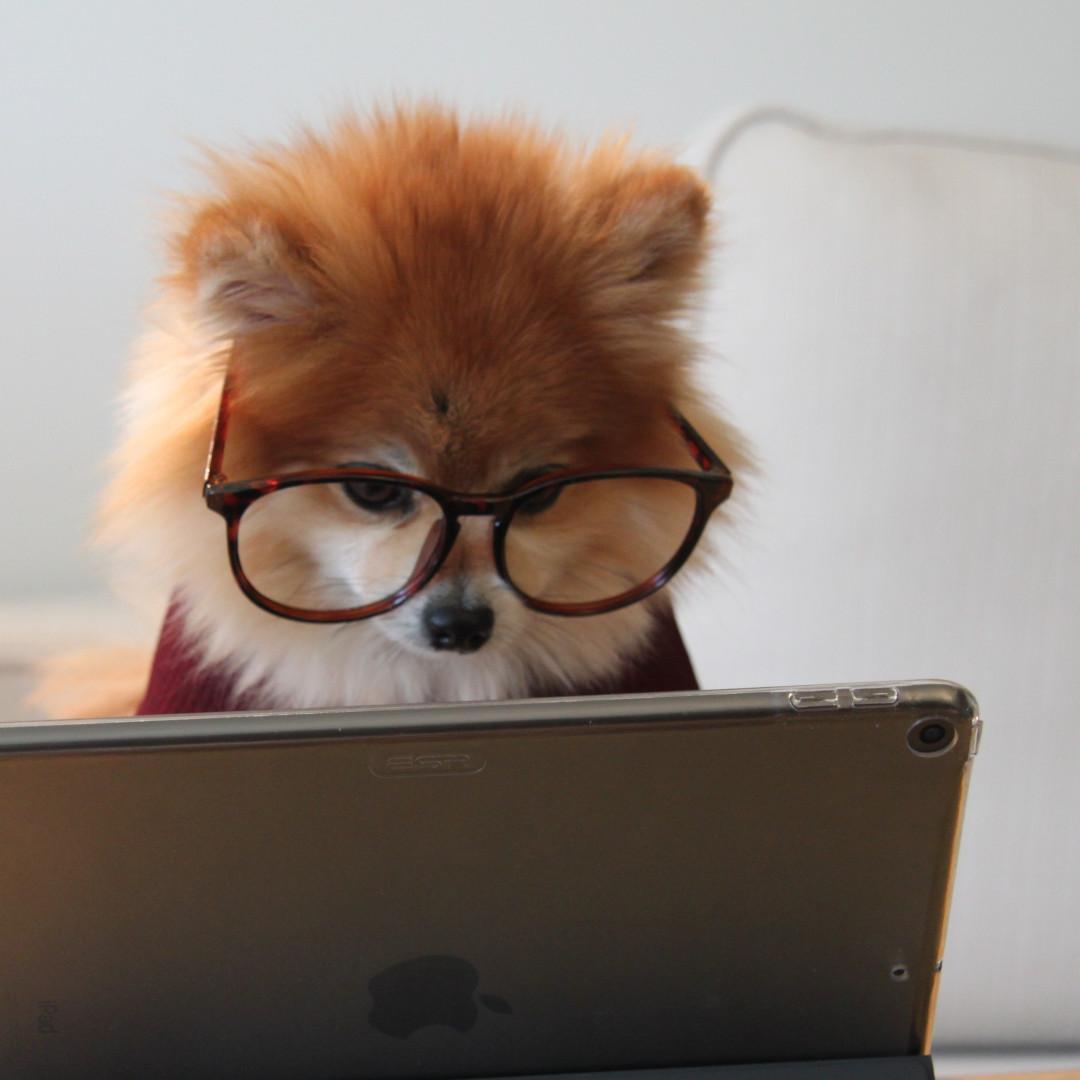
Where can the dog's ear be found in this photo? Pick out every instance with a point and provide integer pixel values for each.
(246, 273)
(651, 229)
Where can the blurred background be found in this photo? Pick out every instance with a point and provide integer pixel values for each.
(99, 102)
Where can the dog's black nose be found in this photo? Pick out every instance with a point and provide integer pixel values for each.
(463, 629)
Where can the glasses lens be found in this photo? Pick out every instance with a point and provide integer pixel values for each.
(336, 547)
(587, 542)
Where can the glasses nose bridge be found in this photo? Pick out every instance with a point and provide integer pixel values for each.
(477, 506)
(464, 544)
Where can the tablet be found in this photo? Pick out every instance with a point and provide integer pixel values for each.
(528, 887)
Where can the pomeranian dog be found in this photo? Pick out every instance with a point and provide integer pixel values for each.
(434, 359)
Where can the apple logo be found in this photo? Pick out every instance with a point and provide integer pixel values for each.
(428, 991)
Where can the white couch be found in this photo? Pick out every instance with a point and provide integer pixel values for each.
(896, 326)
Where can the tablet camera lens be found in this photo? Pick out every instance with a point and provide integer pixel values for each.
(932, 737)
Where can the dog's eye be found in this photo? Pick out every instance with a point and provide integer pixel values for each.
(378, 495)
(544, 499)
(541, 501)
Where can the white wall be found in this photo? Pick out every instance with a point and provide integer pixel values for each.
(96, 101)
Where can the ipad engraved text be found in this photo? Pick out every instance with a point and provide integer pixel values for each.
(398, 765)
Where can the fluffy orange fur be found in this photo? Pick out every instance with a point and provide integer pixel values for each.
(478, 296)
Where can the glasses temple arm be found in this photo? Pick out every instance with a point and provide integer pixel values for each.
(213, 473)
(707, 458)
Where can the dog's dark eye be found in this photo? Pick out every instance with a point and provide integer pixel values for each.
(378, 496)
(545, 498)
(541, 501)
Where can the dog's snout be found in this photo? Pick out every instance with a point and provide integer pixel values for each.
(457, 627)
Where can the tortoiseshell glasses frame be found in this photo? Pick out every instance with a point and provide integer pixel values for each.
(711, 484)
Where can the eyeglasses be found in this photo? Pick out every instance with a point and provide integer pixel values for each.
(348, 543)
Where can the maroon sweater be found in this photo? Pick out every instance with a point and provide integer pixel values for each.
(179, 683)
